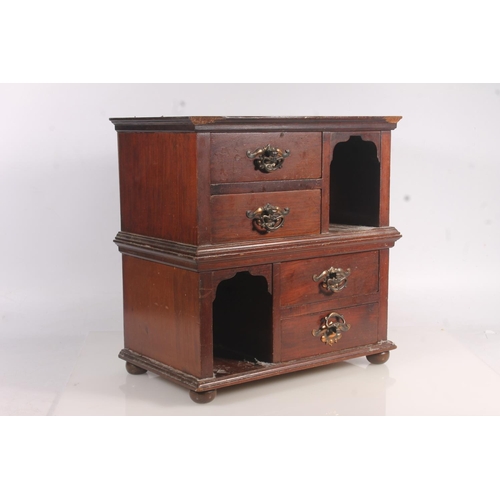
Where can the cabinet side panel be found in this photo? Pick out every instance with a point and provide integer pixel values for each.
(158, 187)
(162, 313)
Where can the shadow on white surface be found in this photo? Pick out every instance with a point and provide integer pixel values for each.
(430, 374)
(101, 386)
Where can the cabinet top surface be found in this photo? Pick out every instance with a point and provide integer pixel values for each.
(255, 123)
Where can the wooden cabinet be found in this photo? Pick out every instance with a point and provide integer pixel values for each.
(253, 246)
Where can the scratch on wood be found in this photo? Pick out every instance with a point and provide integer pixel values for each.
(392, 119)
(203, 120)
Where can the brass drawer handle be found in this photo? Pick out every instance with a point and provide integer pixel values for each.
(331, 330)
(268, 159)
(333, 279)
(268, 218)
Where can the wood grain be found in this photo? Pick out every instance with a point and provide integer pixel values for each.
(158, 186)
(297, 285)
(229, 162)
(246, 253)
(326, 154)
(162, 314)
(384, 292)
(203, 189)
(298, 341)
(230, 223)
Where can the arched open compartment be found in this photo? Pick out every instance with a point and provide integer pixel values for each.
(355, 183)
(242, 319)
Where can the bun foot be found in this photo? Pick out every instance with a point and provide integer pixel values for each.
(202, 397)
(134, 370)
(378, 359)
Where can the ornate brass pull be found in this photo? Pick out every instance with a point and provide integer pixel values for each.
(333, 279)
(268, 159)
(268, 218)
(330, 330)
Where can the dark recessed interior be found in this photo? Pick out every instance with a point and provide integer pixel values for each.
(242, 319)
(355, 183)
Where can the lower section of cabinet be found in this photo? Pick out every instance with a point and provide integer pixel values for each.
(214, 328)
(207, 331)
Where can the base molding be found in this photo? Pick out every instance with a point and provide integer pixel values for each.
(239, 372)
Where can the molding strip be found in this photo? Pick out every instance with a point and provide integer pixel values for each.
(341, 239)
(260, 372)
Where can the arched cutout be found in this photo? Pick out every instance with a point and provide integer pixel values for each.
(242, 319)
(355, 183)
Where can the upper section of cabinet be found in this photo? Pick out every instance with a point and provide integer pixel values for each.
(217, 181)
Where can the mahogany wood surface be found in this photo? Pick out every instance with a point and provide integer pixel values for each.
(230, 372)
(210, 301)
(230, 222)
(134, 370)
(379, 358)
(298, 286)
(340, 240)
(327, 153)
(265, 271)
(297, 340)
(202, 397)
(206, 298)
(337, 303)
(203, 189)
(229, 162)
(158, 187)
(256, 123)
(384, 292)
(162, 314)
(260, 187)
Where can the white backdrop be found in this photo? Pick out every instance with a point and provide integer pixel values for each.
(61, 273)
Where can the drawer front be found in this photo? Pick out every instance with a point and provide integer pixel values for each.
(229, 161)
(230, 221)
(297, 340)
(298, 285)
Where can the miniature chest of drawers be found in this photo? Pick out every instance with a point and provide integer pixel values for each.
(253, 246)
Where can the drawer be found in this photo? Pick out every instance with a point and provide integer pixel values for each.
(229, 161)
(297, 340)
(299, 287)
(230, 221)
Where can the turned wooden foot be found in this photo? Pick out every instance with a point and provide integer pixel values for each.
(202, 397)
(378, 359)
(134, 370)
